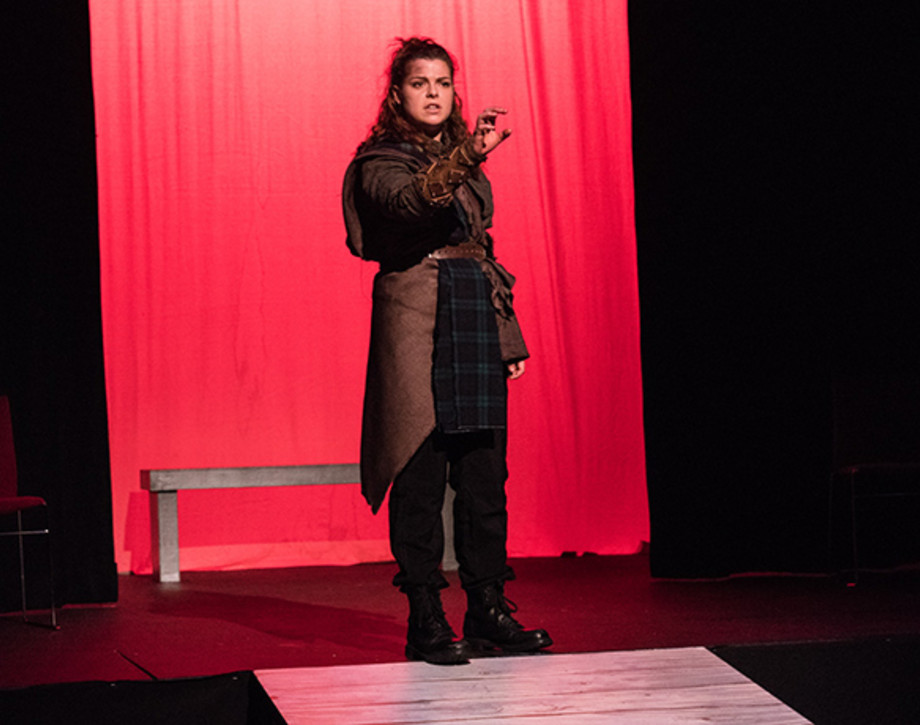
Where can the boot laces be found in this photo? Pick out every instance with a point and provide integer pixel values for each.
(507, 607)
(432, 613)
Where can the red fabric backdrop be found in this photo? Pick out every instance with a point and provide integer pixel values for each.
(236, 323)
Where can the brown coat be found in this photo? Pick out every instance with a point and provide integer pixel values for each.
(388, 221)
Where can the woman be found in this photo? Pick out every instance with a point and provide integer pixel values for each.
(444, 339)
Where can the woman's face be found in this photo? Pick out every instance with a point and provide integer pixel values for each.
(427, 94)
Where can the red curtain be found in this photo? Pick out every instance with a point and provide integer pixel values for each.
(236, 323)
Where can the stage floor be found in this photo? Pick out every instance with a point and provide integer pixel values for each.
(848, 654)
(647, 687)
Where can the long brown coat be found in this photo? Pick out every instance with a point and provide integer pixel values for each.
(388, 221)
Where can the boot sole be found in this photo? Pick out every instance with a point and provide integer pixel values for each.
(453, 656)
(487, 645)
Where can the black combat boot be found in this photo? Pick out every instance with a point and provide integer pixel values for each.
(489, 625)
(430, 637)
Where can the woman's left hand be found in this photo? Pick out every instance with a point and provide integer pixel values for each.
(486, 135)
(515, 369)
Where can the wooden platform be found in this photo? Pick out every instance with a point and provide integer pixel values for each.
(645, 687)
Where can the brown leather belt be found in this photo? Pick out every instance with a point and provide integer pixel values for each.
(465, 250)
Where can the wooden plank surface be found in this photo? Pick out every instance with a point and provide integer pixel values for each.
(647, 687)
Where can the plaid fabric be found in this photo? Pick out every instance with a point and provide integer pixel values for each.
(468, 376)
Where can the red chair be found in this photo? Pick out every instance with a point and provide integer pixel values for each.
(12, 503)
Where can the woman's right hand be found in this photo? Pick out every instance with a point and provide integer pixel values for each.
(486, 135)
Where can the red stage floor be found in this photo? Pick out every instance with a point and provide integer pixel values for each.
(220, 622)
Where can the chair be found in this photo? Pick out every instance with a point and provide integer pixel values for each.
(12, 503)
(875, 484)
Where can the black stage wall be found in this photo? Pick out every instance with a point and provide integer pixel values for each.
(776, 233)
(51, 363)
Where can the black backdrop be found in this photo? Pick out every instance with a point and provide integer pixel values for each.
(775, 227)
(776, 230)
(50, 335)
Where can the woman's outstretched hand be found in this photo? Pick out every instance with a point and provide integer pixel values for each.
(486, 135)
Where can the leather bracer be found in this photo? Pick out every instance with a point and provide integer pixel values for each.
(437, 184)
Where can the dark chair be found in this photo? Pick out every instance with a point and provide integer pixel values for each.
(11, 503)
(875, 485)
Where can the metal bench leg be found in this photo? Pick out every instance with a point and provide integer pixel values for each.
(164, 535)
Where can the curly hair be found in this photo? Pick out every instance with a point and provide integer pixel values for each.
(391, 120)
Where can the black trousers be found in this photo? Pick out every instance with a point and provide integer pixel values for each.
(474, 466)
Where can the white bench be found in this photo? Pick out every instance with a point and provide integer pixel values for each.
(164, 485)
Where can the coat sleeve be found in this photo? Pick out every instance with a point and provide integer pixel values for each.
(392, 186)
